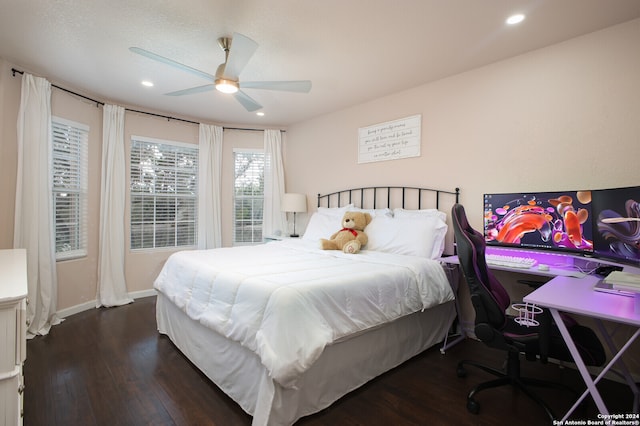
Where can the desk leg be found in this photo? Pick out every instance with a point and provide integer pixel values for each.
(582, 368)
(453, 275)
(618, 358)
(446, 345)
(463, 334)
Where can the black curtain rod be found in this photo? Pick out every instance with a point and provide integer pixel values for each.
(99, 103)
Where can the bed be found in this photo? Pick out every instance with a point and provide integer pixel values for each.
(285, 329)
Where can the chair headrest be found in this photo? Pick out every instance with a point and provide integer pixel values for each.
(461, 217)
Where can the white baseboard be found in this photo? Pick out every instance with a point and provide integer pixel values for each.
(63, 313)
(143, 293)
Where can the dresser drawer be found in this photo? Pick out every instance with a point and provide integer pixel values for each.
(9, 346)
(11, 398)
(13, 333)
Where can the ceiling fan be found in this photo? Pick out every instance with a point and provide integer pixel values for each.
(238, 50)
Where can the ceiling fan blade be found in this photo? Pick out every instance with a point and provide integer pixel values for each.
(246, 101)
(192, 90)
(301, 86)
(172, 63)
(241, 50)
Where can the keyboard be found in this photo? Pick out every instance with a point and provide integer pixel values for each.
(510, 261)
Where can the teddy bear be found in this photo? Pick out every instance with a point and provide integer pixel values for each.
(351, 238)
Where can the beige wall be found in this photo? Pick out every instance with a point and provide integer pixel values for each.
(563, 117)
(557, 118)
(560, 118)
(9, 100)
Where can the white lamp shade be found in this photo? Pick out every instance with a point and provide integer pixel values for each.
(296, 203)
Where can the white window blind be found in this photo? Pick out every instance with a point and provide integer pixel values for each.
(164, 188)
(69, 188)
(248, 196)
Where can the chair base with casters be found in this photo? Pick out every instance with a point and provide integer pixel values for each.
(510, 377)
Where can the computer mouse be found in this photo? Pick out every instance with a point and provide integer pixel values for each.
(543, 267)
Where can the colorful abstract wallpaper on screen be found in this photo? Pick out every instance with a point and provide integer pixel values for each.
(617, 234)
(550, 220)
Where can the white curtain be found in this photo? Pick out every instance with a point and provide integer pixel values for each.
(274, 220)
(34, 229)
(112, 287)
(209, 187)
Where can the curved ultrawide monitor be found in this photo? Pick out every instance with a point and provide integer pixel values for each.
(560, 221)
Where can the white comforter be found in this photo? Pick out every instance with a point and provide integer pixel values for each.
(287, 300)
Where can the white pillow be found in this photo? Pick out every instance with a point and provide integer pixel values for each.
(327, 221)
(402, 213)
(334, 211)
(414, 236)
(322, 226)
(373, 212)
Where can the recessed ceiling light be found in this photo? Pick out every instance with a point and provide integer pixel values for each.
(147, 83)
(515, 19)
(260, 113)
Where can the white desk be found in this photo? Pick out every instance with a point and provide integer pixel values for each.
(558, 264)
(576, 295)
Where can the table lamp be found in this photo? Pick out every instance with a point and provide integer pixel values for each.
(294, 203)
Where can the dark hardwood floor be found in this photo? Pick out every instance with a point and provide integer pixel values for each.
(111, 367)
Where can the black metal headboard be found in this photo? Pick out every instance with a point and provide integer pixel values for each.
(406, 197)
(387, 197)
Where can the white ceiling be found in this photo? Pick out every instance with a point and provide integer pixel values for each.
(352, 50)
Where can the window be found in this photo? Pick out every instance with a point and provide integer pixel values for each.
(164, 188)
(248, 196)
(69, 187)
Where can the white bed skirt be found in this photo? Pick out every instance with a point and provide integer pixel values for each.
(343, 366)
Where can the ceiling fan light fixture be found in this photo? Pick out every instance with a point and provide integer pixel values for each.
(226, 86)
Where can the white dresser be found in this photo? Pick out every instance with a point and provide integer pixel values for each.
(13, 329)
